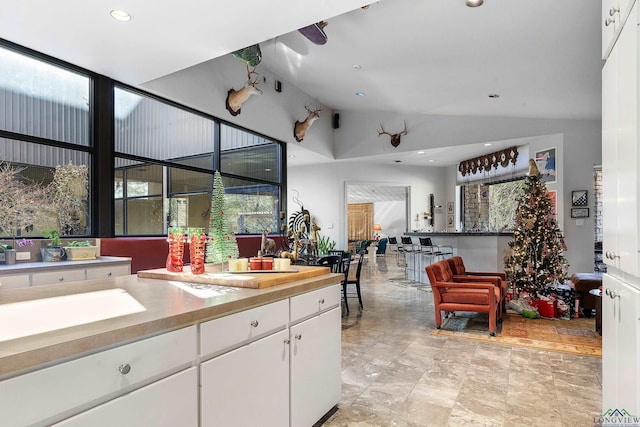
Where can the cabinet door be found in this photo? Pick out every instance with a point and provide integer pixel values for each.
(248, 386)
(627, 152)
(620, 346)
(315, 368)
(609, 157)
(170, 402)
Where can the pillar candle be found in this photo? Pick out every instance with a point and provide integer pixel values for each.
(243, 264)
(285, 264)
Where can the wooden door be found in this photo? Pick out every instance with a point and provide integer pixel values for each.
(360, 218)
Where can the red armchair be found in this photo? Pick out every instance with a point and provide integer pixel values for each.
(459, 271)
(451, 294)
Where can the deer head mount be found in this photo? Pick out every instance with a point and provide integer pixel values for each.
(301, 127)
(395, 138)
(235, 98)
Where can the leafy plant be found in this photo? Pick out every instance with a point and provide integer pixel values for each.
(325, 244)
(77, 244)
(53, 236)
(68, 197)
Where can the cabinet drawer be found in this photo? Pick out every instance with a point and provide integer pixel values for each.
(171, 401)
(314, 302)
(107, 272)
(237, 329)
(53, 393)
(16, 281)
(60, 276)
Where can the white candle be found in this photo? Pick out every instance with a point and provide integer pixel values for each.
(243, 264)
(285, 264)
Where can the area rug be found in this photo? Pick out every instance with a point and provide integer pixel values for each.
(575, 336)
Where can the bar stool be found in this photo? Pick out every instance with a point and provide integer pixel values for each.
(409, 251)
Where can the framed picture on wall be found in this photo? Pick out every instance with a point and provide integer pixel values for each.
(450, 221)
(546, 162)
(579, 212)
(579, 198)
(450, 208)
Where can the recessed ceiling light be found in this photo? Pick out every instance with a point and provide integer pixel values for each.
(359, 93)
(494, 95)
(291, 156)
(420, 152)
(120, 15)
(356, 67)
(487, 144)
(431, 160)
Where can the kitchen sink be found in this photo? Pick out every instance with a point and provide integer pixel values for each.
(26, 318)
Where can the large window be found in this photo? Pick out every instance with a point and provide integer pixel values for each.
(166, 160)
(163, 154)
(44, 127)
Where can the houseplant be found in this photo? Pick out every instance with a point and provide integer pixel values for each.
(77, 251)
(9, 254)
(53, 251)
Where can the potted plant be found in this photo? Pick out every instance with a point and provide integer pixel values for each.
(53, 251)
(9, 254)
(77, 251)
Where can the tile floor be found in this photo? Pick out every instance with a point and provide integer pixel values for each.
(394, 373)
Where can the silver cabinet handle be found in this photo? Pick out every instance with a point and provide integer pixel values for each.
(287, 340)
(299, 337)
(321, 301)
(109, 274)
(607, 292)
(613, 11)
(254, 323)
(60, 279)
(608, 22)
(124, 369)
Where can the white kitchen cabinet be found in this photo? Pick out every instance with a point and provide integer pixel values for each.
(620, 346)
(14, 281)
(315, 367)
(614, 14)
(248, 386)
(170, 402)
(71, 387)
(620, 154)
(289, 377)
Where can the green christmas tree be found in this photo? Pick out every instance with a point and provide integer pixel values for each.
(536, 257)
(222, 245)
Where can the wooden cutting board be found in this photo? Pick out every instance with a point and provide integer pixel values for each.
(213, 276)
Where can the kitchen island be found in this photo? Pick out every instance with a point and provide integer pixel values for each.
(481, 251)
(228, 356)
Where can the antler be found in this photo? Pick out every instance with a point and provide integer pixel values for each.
(310, 111)
(383, 131)
(249, 73)
(404, 132)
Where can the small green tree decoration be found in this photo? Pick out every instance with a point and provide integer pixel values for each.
(222, 245)
(536, 257)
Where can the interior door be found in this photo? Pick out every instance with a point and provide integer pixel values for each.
(360, 219)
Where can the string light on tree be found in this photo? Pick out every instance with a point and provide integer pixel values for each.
(536, 257)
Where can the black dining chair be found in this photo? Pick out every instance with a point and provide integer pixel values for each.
(333, 262)
(355, 281)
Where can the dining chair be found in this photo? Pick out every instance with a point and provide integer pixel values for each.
(355, 281)
(333, 262)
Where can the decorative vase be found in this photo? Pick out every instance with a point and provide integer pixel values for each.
(52, 254)
(197, 242)
(176, 249)
(9, 256)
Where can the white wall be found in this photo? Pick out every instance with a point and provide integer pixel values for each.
(321, 189)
